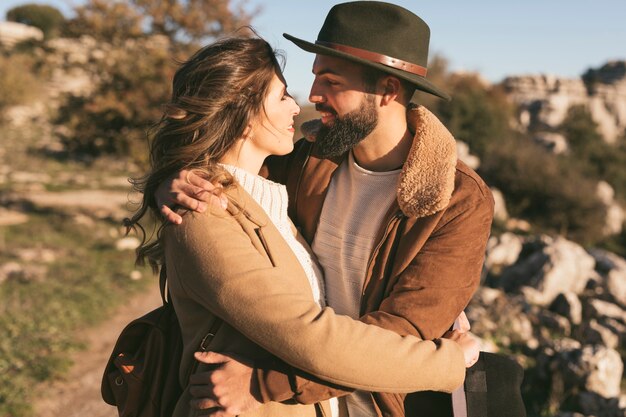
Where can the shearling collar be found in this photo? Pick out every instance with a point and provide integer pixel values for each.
(427, 179)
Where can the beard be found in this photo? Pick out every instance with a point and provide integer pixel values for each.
(348, 130)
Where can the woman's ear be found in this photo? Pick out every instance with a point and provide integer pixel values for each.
(391, 89)
(247, 132)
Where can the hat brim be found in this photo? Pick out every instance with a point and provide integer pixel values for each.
(420, 82)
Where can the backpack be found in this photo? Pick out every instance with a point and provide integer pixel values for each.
(141, 375)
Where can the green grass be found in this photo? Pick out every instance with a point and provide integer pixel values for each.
(39, 319)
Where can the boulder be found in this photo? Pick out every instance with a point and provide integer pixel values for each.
(550, 266)
(463, 153)
(503, 250)
(569, 306)
(592, 368)
(615, 214)
(595, 308)
(12, 33)
(554, 142)
(593, 404)
(500, 213)
(594, 333)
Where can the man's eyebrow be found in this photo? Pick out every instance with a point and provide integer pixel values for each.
(325, 71)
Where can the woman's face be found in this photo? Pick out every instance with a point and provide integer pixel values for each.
(272, 132)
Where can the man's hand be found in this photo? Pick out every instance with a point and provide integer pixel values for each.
(461, 323)
(190, 191)
(468, 343)
(227, 389)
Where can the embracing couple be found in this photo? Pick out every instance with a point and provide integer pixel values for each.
(327, 276)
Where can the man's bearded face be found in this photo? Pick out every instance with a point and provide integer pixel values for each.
(348, 130)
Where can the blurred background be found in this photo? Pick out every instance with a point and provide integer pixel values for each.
(538, 109)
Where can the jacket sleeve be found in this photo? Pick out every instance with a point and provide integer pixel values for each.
(427, 296)
(273, 307)
(440, 280)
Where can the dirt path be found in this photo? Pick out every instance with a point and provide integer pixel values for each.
(78, 395)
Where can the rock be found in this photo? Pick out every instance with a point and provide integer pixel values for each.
(463, 153)
(127, 243)
(500, 213)
(10, 270)
(12, 33)
(593, 404)
(569, 306)
(11, 217)
(556, 266)
(605, 370)
(616, 285)
(503, 250)
(36, 255)
(593, 368)
(607, 86)
(554, 142)
(554, 323)
(594, 333)
(23, 273)
(517, 225)
(544, 100)
(23, 177)
(615, 214)
(595, 308)
(606, 261)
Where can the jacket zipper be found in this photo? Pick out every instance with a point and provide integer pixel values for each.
(297, 194)
(398, 215)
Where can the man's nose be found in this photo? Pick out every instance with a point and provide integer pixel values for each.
(315, 95)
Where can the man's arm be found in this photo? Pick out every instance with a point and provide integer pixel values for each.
(427, 296)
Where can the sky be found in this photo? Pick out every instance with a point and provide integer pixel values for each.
(495, 38)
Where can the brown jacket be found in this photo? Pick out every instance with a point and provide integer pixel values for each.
(236, 266)
(427, 262)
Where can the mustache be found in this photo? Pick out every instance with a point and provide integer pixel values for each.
(320, 107)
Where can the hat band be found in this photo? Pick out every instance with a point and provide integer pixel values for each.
(373, 56)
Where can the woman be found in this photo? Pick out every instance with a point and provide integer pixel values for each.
(242, 269)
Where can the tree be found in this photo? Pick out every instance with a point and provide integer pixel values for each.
(182, 21)
(478, 114)
(47, 18)
(116, 118)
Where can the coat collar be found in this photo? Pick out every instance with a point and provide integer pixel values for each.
(427, 178)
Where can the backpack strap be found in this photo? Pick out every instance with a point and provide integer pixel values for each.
(163, 284)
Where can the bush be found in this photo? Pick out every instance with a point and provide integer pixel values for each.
(47, 18)
(598, 159)
(552, 193)
(18, 82)
(477, 115)
(114, 120)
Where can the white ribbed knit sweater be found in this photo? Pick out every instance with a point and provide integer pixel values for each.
(272, 197)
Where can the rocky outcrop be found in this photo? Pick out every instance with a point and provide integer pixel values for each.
(12, 33)
(545, 99)
(549, 266)
(615, 214)
(561, 309)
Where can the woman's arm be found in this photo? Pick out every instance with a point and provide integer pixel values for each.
(272, 306)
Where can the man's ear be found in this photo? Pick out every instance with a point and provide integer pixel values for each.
(391, 88)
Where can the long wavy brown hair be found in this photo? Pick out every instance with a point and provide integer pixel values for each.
(215, 96)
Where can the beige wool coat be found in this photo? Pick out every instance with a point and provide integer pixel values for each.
(234, 265)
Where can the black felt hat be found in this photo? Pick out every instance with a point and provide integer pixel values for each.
(379, 35)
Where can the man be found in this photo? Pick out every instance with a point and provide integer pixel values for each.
(398, 224)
